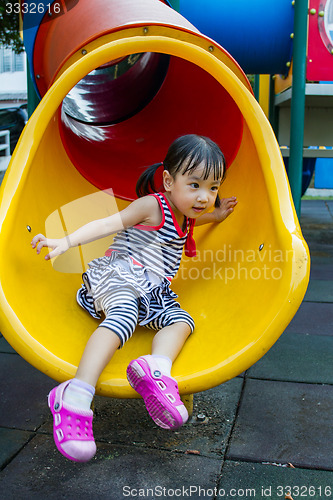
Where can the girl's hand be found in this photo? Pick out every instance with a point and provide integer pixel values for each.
(219, 214)
(226, 208)
(58, 246)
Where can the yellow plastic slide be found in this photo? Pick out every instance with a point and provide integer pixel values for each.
(251, 272)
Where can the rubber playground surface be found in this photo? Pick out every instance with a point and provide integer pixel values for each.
(264, 434)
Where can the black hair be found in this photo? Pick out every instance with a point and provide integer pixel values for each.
(184, 155)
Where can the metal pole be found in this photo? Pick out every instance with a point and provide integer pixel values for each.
(175, 4)
(295, 169)
(273, 110)
(256, 87)
(33, 99)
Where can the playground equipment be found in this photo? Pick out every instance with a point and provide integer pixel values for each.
(263, 47)
(256, 33)
(318, 95)
(79, 157)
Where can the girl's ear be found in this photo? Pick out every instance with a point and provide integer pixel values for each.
(167, 180)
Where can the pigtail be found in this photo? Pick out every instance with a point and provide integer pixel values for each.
(146, 183)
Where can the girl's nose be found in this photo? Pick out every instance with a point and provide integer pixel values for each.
(202, 196)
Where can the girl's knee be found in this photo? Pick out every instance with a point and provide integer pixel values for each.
(187, 320)
(183, 319)
(121, 326)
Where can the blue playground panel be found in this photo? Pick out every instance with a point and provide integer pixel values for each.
(256, 34)
(308, 169)
(324, 173)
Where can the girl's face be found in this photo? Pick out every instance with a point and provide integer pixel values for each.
(190, 194)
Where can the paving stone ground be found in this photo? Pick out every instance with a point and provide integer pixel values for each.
(267, 433)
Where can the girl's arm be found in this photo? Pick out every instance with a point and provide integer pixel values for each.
(220, 213)
(140, 211)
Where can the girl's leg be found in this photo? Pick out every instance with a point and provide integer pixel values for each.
(70, 401)
(121, 316)
(169, 340)
(99, 350)
(150, 375)
(103, 344)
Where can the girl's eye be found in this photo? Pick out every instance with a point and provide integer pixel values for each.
(215, 188)
(194, 185)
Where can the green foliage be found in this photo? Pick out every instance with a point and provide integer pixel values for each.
(251, 80)
(9, 26)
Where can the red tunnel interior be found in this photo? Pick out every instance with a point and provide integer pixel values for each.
(112, 135)
(123, 116)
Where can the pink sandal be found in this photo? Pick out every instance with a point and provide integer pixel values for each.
(72, 427)
(159, 392)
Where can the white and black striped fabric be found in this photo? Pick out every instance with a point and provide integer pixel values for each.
(157, 248)
(123, 310)
(131, 283)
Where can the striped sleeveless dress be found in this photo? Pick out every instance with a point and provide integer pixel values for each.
(142, 258)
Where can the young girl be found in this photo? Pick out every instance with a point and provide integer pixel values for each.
(130, 285)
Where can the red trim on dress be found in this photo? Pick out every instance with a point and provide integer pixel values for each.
(143, 227)
(110, 250)
(179, 231)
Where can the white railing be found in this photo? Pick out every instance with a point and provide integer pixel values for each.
(4, 146)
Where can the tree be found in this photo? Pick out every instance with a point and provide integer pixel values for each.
(9, 26)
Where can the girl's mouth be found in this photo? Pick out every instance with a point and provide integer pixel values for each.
(198, 209)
